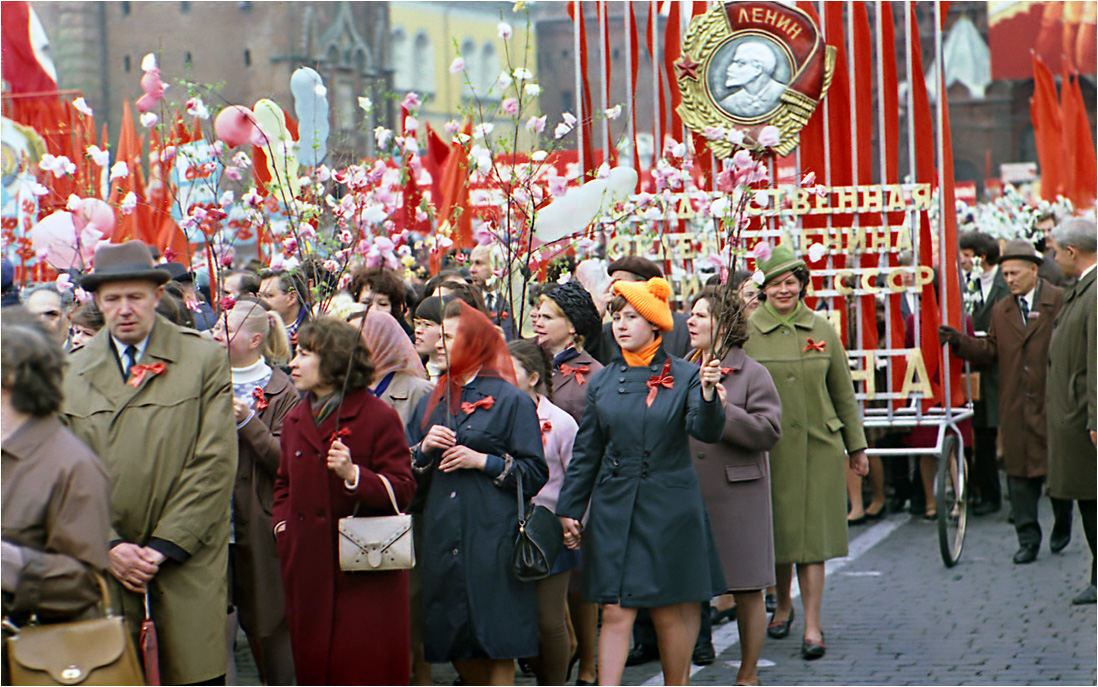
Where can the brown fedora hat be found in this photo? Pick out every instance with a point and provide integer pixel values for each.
(1019, 249)
(123, 262)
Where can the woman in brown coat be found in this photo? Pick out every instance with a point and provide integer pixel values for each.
(734, 474)
(262, 396)
(56, 510)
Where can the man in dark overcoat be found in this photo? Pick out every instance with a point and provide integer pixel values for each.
(1018, 339)
(1071, 381)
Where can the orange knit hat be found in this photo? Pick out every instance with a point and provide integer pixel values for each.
(650, 300)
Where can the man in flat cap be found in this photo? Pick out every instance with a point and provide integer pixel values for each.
(154, 401)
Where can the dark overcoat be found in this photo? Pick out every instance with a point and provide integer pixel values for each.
(1021, 352)
(473, 605)
(985, 412)
(345, 627)
(257, 585)
(648, 542)
(821, 424)
(734, 473)
(570, 386)
(1071, 406)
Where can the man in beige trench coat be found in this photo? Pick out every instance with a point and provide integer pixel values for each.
(1072, 468)
(154, 401)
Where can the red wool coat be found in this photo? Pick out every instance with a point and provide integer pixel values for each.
(345, 628)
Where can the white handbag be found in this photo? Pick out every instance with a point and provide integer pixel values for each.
(377, 543)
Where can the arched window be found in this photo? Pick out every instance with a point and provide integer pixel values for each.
(489, 70)
(423, 64)
(400, 59)
(472, 68)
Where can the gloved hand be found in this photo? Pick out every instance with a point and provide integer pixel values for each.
(949, 335)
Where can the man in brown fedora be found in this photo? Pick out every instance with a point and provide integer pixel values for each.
(1018, 339)
(154, 401)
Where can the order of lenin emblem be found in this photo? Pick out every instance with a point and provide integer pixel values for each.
(750, 64)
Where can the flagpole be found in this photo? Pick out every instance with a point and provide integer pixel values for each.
(580, 114)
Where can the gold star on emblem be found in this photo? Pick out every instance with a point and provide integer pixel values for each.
(687, 68)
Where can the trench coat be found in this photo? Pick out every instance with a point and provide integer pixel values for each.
(734, 473)
(169, 447)
(821, 423)
(1021, 352)
(404, 392)
(569, 387)
(647, 542)
(473, 605)
(257, 585)
(985, 412)
(345, 627)
(56, 510)
(1070, 396)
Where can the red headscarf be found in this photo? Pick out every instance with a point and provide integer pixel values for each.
(478, 348)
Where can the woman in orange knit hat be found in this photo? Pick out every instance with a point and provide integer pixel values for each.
(648, 541)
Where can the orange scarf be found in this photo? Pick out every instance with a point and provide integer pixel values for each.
(643, 357)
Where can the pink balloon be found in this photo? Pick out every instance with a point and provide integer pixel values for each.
(235, 125)
(55, 235)
(95, 213)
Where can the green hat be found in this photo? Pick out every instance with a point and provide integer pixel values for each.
(781, 260)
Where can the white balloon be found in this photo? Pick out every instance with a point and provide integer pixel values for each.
(570, 214)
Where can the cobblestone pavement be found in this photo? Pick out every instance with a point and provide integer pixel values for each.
(894, 615)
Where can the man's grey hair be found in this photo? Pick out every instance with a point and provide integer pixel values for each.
(66, 297)
(1079, 233)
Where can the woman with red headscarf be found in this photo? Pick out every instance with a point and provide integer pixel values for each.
(473, 440)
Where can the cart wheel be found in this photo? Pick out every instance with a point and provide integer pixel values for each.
(951, 494)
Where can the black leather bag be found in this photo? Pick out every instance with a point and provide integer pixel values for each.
(538, 541)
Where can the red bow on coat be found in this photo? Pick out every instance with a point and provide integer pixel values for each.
(663, 379)
(486, 403)
(546, 427)
(260, 399)
(577, 371)
(815, 346)
(726, 370)
(342, 432)
(139, 372)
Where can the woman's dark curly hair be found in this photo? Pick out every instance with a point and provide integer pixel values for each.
(383, 281)
(31, 363)
(725, 306)
(801, 273)
(343, 353)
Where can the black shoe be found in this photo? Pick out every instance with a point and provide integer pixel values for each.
(1058, 542)
(704, 654)
(771, 602)
(581, 681)
(811, 650)
(856, 521)
(878, 515)
(896, 504)
(1087, 596)
(717, 617)
(986, 507)
(1025, 554)
(779, 629)
(640, 654)
(524, 666)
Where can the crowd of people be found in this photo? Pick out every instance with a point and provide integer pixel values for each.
(203, 457)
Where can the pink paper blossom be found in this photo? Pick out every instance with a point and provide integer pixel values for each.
(81, 106)
(770, 136)
(762, 251)
(457, 66)
(808, 180)
(452, 127)
(510, 107)
(410, 102)
(64, 281)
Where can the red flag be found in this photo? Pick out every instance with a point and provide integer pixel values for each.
(1077, 158)
(863, 107)
(631, 34)
(586, 114)
(839, 140)
(453, 203)
(135, 225)
(672, 50)
(1044, 111)
(20, 66)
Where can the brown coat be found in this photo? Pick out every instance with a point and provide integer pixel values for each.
(404, 393)
(1022, 355)
(1071, 395)
(56, 509)
(569, 393)
(734, 474)
(257, 585)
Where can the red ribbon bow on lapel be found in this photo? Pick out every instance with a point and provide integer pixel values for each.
(663, 379)
(260, 399)
(815, 346)
(343, 432)
(577, 371)
(726, 370)
(546, 427)
(139, 372)
(486, 403)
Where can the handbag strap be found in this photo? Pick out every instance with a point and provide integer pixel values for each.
(521, 510)
(104, 606)
(389, 488)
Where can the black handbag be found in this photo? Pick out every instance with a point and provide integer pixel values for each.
(538, 541)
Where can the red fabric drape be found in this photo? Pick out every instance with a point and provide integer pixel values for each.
(672, 49)
(863, 105)
(19, 65)
(589, 165)
(838, 138)
(631, 35)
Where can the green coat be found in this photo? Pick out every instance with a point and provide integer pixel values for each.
(821, 423)
(1069, 396)
(170, 449)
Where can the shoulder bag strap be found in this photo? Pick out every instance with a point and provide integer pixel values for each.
(389, 488)
(521, 510)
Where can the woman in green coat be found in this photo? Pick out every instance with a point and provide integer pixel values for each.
(821, 425)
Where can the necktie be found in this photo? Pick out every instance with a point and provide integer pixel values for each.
(129, 359)
(1025, 311)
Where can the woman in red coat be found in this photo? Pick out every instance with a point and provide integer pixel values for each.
(345, 627)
